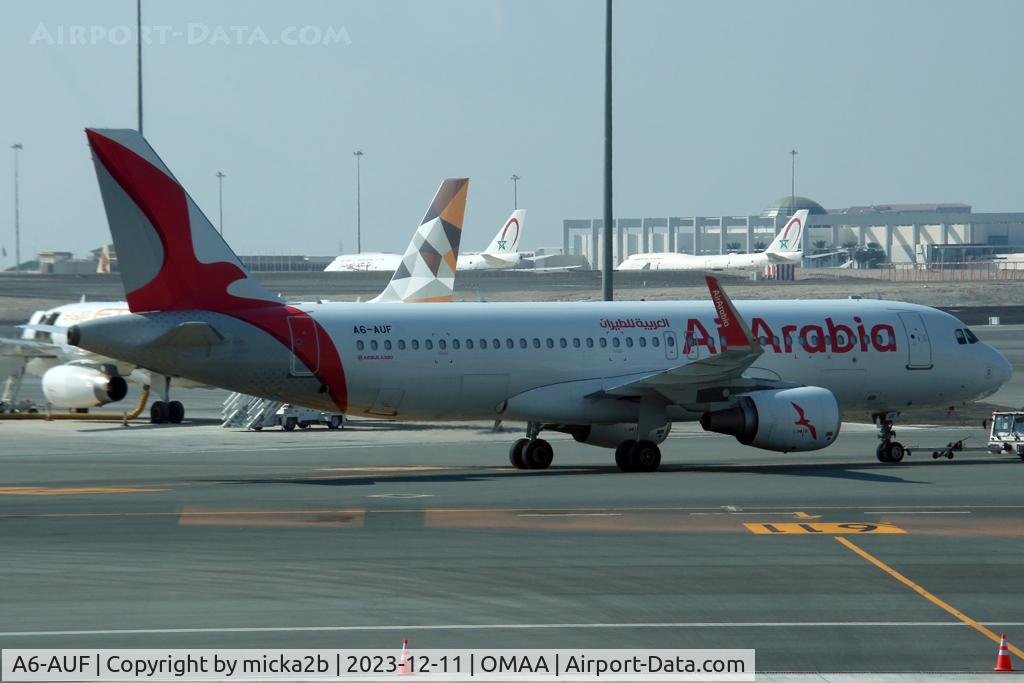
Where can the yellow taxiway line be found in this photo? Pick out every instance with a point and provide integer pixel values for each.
(920, 590)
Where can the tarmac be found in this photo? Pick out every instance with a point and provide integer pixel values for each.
(826, 562)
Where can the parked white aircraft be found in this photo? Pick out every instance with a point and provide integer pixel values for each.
(501, 253)
(613, 374)
(785, 248)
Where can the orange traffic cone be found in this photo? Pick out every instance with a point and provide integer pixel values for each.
(1003, 662)
(405, 660)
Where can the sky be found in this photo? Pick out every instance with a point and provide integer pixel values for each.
(886, 102)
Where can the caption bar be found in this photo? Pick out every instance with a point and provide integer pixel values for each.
(377, 665)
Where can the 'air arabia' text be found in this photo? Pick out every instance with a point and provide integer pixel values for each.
(830, 337)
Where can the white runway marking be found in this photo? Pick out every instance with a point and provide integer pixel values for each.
(920, 512)
(570, 514)
(499, 627)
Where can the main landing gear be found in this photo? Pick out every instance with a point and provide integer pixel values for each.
(638, 456)
(162, 412)
(888, 450)
(531, 453)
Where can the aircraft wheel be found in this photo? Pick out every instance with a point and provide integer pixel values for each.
(334, 422)
(515, 454)
(175, 412)
(257, 428)
(289, 424)
(158, 413)
(882, 453)
(538, 454)
(303, 425)
(645, 456)
(896, 451)
(624, 456)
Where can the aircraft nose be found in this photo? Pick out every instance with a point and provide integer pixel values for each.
(1001, 368)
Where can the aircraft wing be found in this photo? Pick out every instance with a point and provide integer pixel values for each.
(28, 348)
(719, 371)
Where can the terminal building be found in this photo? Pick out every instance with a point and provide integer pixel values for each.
(908, 233)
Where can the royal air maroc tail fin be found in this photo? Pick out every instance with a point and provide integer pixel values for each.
(170, 255)
(427, 270)
(788, 244)
(507, 239)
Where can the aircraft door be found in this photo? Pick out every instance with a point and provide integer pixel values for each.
(305, 359)
(919, 347)
(671, 345)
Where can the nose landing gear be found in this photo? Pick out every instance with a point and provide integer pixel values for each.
(888, 450)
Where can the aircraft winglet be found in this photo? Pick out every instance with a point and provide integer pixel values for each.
(734, 328)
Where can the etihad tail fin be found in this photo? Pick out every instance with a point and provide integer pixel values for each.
(170, 255)
(427, 270)
(507, 239)
(790, 240)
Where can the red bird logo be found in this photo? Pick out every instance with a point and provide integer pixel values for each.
(803, 421)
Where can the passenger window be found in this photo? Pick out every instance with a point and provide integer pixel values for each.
(590, 342)
(670, 341)
(483, 343)
(428, 344)
(643, 342)
(615, 342)
(509, 343)
(442, 344)
(629, 342)
(563, 343)
(387, 344)
(655, 342)
(360, 345)
(576, 342)
(469, 343)
(455, 344)
(373, 344)
(550, 343)
(971, 339)
(536, 343)
(602, 341)
(401, 345)
(415, 344)
(522, 343)
(496, 343)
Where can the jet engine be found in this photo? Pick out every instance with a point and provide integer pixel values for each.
(800, 419)
(610, 436)
(77, 386)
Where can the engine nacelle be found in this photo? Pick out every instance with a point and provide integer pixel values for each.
(76, 386)
(610, 436)
(800, 419)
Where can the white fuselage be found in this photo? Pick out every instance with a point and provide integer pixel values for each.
(551, 361)
(370, 261)
(671, 261)
(489, 262)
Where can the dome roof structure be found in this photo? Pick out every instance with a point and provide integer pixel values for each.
(788, 205)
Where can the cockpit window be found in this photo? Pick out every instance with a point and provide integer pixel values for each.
(960, 338)
(970, 336)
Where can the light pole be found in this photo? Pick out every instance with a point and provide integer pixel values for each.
(515, 191)
(358, 154)
(606, 266)
(17, 147)
(138, 41)
(220, 197)
(792, 178)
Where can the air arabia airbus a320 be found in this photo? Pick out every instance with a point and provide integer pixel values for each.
(611, 374)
